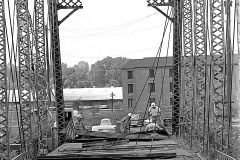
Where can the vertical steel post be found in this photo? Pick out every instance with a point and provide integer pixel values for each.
(188, 69)
(56, 57)
(177, 52)
(41, 76)
(4, 107)
(200, 72)
(24, 70)
(218, 71)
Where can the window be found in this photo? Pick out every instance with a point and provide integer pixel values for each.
(151, 87)
(151, 73)
(171, 101)
(130, 88)
(130, 74)
(171, 86)
(130, 103)
(170, 72)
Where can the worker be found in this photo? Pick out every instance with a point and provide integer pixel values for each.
(125, 123)
(154, 112)
(78, 124)
(152, 127)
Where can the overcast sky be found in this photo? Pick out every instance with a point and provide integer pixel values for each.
(115, 28)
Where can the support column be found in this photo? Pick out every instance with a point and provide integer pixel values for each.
(4, 107)
(25, 74)
(177, 52)
(54, 6)
(41, 77)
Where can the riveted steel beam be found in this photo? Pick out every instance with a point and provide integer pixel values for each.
(218, 71)
(200, 74)
(4, 107)
(54, 6)
(177, 52)
(24, 70)
(188, 102)
(41, 76)
(160, 2)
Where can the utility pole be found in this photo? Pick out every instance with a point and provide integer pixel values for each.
(112, 94)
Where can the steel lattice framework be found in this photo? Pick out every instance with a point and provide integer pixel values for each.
(188, 72)
(177, 52)
(220, 118)
(41, 74)
(24, 70)
(3, 89)
(200, 72)
(54, 5)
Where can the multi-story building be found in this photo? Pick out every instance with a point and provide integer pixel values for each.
(147, 80)
(150, 80)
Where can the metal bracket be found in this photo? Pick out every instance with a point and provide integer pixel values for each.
(68, 15)
(159, 10)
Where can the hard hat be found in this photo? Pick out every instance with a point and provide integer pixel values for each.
(129, 114)
(153, 104)
(79, 116)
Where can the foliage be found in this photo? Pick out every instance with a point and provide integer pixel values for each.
(76, 76)
(107, 72)
(104, 73)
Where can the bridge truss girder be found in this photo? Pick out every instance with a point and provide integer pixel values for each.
(23, 25)
(54, 6)
(4, 107)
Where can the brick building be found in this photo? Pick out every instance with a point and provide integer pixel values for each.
(140, 88)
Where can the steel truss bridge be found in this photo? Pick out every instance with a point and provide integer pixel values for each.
(202, 102)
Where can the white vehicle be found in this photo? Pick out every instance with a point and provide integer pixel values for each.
(105, 126)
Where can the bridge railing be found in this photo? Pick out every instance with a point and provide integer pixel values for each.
(223, 156)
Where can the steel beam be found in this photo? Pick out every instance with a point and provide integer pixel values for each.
(218, 71)
(24, 70)
(177, 47)
(54, 6)
(200, 73)
(160, 2)
(57, 69)
(69, 4)
(4, 107)
(41, 76)
(189, 86)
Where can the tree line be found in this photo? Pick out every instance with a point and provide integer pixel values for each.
(103, 73)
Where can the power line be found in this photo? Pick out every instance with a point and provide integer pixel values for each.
(124, 33)
(134, 21)
(114, 28)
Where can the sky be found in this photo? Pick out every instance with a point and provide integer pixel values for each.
(115, 28)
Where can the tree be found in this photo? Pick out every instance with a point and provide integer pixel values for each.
(107, 72)
(76, 76)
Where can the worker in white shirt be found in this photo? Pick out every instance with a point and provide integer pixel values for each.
(155, 114)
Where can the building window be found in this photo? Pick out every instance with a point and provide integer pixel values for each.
(171, 101)
(170, 72)
(171, 86)
(151, 87)
(130, 88)
(130, 74)
(130, 103)
(151, 73)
